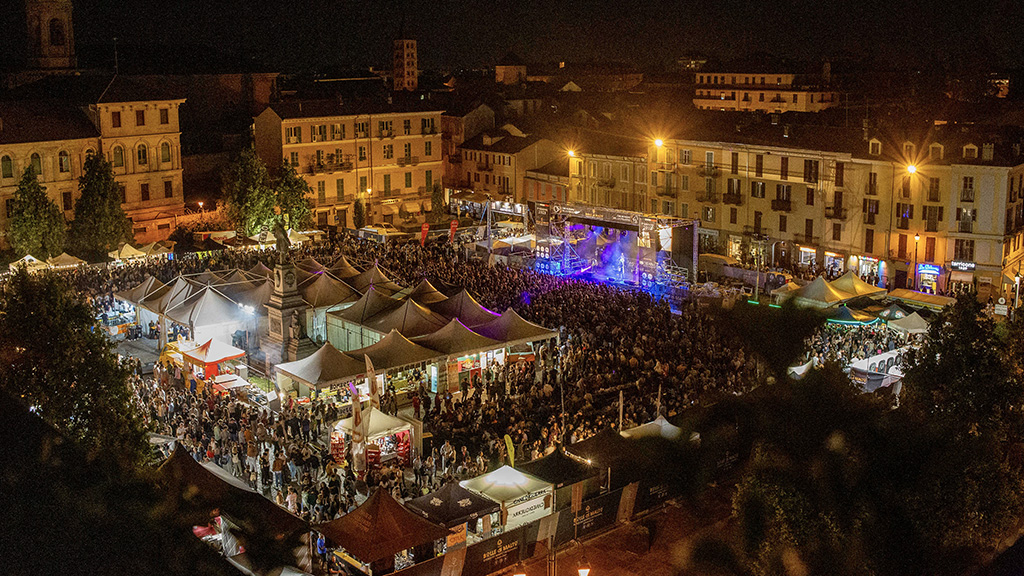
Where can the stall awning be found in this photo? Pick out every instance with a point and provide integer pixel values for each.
(659, 427)
(559, 469)
(921, 299)
(212, 352)
(958, 276)
(506, 484)
(452, 505)
(323, 367)
(377, 424)
(389, 209)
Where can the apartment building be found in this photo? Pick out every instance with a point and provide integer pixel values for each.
(549, 183)
(610, 172)
(386, 154)
(930, 213)
(761, 92)
(132, 122)
(496, 161)
(459, 122)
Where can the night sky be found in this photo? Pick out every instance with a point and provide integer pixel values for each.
(286, 34)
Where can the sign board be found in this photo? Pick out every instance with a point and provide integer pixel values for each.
(961, 266)
(496, 553)
(452, 229)
(423, 233)
(1002, 310)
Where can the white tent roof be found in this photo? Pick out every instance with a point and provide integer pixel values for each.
(505, 484)
(913, 324)
(786, 288)
(125, 251)
(819, 294)
(65, 260)
(30, 262)
(852, 284)
(659, 427)
(207, 307)
(379, 424)
(323, 367)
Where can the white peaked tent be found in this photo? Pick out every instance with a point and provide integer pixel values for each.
(30, 262)
(378, 424)
(326, 366)
(65, 260)
(850, 283)
(523, 498)
(659, 427)
(125, 252)
(913, 324)
(819, 294)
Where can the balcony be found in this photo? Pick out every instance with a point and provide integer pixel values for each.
(362, 134)
(430, 130)
(669, 191)
(732, 198)
(708, 171)
(805, 239)
(386, 134)
(709, 197)
(835, 213)
(780, 205)
(484, 167)
(663, 166)
(328, 167)
(408, 161)
(967, 195)
(966, 226)
(606, 182)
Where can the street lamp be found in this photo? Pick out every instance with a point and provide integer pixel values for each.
(572, 154)
(917, 238)
(659, 142)
(911, 169)
(1016, 297)
(200, 206)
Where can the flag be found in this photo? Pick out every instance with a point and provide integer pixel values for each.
(451, 231)
(511, 451)
(358, 431)
(423, 233)
(371, 384)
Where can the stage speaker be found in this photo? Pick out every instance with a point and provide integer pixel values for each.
(684, 246)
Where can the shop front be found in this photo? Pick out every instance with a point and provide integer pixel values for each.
(961, 276)
(928, 278)
(465, 369)
(835, 263)
(870, 269)
(807, 256)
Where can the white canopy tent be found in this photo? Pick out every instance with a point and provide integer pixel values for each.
(64, 260)
(658, 427)
(523, 498)
(913, 324)
(378, 425)
(850, 283)
(30, 263)
(819, 294)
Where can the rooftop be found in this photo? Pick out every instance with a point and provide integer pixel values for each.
(101, 89)
(334, 107)
(500, 141)
(43, 121)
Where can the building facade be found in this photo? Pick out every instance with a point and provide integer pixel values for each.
(51, 35)
(457, 125)
(601, 176)
(404, 69)
(387, 155)
(496, 161)
(760, 92)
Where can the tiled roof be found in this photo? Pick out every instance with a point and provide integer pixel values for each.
(102, 89)
(43, 121)
(506, 143)
(324, 108)
(559, 167)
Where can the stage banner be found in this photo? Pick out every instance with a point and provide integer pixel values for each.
(423, 233)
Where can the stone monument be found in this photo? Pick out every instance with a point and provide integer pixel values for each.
(286, 341)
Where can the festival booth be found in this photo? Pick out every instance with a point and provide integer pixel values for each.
(375, 278)
(392, 436)
(468, 515)
(467, 354)
(64, 261)
(572, 478)
(324, 294)
(261, 270)
(843, 314)
(343, 269)
(819, 294)
(913, 324)
(850, 283)
(375, 537)
(785, 291)
(29, 263)
(206, 359)
(423, 293)
(410, 319)
(511, 329)
(920, 299)
(134, 296)
(157, 249)
(324, 371)
(893, 312)
(345, 327)
(523, 498)
(610, 452)
(658, 428)
(209, 314)
(398, 358)
(464, 307)
(126, 252)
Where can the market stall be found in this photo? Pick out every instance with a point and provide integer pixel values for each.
(208, 313)
(391, 435)
(913, 324)
(566, 473)
(323, 294)
(845, 315)
(64, 261)
(850, 283)
(819, 294)
(342, 268)
(609, 451)
(126, 252)
(323, 371)
(464, 307)
(522, 497)
(207, 358)
(510, 328)
(29, 263)
(468, 353)
(452, 506)
(345, 327)
(424, 293)
(375, 537)
(410, 319)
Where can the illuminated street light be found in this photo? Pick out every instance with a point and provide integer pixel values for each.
(572, 154)
(659, 142)
(911, 169)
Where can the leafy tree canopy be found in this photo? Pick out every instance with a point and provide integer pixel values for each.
(100, 224)
(359, 214)
(248, 197)
(37, 225)
(293, 198)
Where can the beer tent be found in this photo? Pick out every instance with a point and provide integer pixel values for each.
(451, 505)
(464, 307)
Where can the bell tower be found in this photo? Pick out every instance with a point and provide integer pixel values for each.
(50, 34)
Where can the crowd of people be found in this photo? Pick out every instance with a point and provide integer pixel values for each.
(846, 344)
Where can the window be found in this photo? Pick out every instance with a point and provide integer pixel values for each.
(933, 189)
(165, 116)
(57, 37)
(757, 189)
(929, 249)
(318, 133)
(869, 240)
(337, 131)
(908, 152)
(362, 129)
(967, 192)
(339, 188)
(684, 181)
(168, 189)
(935, 151)
(783, 191)
(840, 177)
(760, 97)
(321, 192)
(625, 173)
(165, 152)
(875, 148)
(384, 127)
(407, 127)
(115, 119)
(118, 156)
(667, 207)
(733, 186)
(428, 178)
(708, 213)
(428, 149)
(293, 134)
(782, 222)
(387, 183)
(389, 151)
(733, 215)
(965, 218)
(362, 184)
(901, 251)
(143, 154)
(65, 200)
(904, 214)
(795, 98)
(685, 156)
(6, 167)
(932, 216)
(144, 191)
(837, 232)
(734, 165)
(970, 152)
(362, 153)
(810, 196)
(870, 210)
(140, 117)
(963, 249)
(811, 171)
(759, 166)
(784, 168)
(757, 221)
(408, 179)
(294, 158)
(427, 125)
(36, 163)
(809, 230)
(63, 161)
(709, 159)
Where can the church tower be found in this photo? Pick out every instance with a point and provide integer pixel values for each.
(404, 65)
(51, 37)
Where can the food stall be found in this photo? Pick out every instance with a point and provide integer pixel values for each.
(391, 435)
(523, 498)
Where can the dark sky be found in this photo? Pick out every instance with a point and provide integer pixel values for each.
(474, 33)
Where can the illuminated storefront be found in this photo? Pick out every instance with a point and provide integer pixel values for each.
(928, 277)
(961, 274)
(808, 256)
(834, 262)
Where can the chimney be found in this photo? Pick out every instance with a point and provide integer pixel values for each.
(864, 128)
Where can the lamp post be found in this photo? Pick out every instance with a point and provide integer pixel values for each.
(917, 238)
(1016, 296)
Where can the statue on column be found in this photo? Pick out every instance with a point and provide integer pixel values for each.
(296, 327)
(282, 242)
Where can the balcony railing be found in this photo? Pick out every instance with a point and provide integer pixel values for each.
(805, 239)
(967, 195)
(385, 134)
(965, 226)
(455, 158)
(709, 197)
(782, 205)
(606, 182)
(665, 191)
(869, 218)
(664, 166)
(732, 198)
(835, 212)
(484, 167)
(430, 130)
(328, 167)
(408, 161)
(708, 171)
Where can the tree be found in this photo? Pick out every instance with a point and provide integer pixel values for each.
(37, 224)
(54, 357)
(100, 224)
(438, 208)
(248, 197)
(359, 214)
(292, 198)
